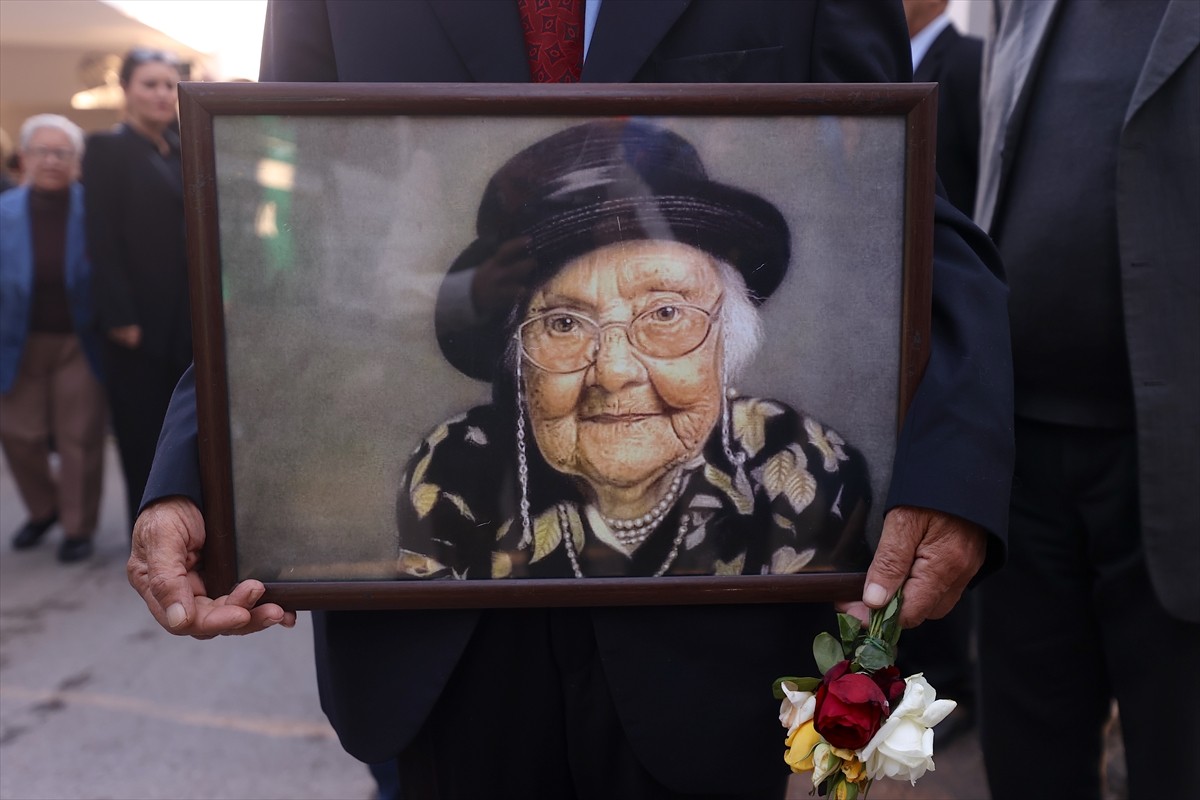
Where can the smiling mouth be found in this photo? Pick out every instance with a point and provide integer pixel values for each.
(613, 419)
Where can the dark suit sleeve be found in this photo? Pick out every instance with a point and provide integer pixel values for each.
(176, 468)
(103, 171)
(955, 451)
(296, 43)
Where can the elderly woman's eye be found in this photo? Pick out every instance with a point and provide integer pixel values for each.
(562, 323)
(665, 314)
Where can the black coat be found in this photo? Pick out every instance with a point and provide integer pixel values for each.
(380, 673)
(134, 217)
(953, 61)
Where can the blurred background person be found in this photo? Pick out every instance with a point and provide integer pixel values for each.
(7, 181)
(941, 648)
(134, 189)
(953, 61)
(50, 390)
(1090, 186)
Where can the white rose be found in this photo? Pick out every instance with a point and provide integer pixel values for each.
(797, 707)
(903, 746)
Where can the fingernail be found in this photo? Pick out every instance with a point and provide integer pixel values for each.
(176, 616)
(875, 595)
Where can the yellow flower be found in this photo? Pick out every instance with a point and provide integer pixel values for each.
(854, 770)
(801, 743)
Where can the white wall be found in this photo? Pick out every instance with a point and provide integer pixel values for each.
(973, 17)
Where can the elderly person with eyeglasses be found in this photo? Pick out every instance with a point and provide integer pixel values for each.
(51, 395)
(615, 444)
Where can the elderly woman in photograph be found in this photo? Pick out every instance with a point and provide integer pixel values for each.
(51, 397)
(610, 299)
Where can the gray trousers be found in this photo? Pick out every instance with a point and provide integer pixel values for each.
(56, 398)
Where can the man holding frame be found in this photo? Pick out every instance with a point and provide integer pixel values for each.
(598, 702)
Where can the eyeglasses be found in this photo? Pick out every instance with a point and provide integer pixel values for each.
(61, 153)
(563, 341)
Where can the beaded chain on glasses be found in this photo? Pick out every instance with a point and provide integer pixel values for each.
(630, 533)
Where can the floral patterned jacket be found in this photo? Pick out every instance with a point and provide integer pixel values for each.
(797, 503)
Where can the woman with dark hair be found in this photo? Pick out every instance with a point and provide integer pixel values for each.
(133, 185)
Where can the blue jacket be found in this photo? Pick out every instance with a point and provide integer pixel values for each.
(16, 281)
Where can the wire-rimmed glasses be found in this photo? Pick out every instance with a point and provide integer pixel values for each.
(562, 340)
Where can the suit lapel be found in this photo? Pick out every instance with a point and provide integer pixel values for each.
(626, 34)
(1016, 49)
(1178, 37)
(487, 36)
(934, 55)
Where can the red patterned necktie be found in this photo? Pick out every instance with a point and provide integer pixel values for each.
(554, 39)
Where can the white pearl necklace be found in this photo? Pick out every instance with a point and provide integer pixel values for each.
(564, 526)
(632, 532)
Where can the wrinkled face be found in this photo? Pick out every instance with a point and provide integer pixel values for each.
(629, 417)
(152, 93)
(50, 160)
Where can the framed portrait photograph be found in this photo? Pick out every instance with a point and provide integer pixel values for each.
(513, 345)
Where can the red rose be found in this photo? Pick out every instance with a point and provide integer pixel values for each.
(850, 707)
(891, 684)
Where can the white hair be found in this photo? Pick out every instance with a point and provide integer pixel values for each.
(39, 121)
(741, 323)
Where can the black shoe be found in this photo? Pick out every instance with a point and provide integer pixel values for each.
(74, 550)
(32, 532)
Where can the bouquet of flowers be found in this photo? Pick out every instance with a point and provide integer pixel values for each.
(861, 721)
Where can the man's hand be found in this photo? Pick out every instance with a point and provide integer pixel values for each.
(167, 538)
(931, 554)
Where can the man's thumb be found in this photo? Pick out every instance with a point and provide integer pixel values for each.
(893, 557)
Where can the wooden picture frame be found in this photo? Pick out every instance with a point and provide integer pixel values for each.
(322, 220)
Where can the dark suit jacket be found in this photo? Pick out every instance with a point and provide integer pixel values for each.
(381, 672)
(134, 207)
(1158, 204)
(953, 61)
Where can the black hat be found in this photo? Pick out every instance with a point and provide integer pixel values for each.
(597, 184)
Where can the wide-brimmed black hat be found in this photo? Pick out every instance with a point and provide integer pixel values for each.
(598, 184)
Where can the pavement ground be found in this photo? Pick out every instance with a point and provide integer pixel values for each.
(97, 701)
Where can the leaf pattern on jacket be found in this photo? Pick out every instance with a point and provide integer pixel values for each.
(827, 440)
(546, 534)
(750, 423)
(742, 499)
(786, 473)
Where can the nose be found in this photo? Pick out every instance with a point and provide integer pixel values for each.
(616, 364)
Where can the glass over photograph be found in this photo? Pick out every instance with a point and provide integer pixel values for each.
(525, 348)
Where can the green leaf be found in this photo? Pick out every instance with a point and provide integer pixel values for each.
(802, 685)
(827, 651)
(893, 636)
(874, 654)
(850, 629)
(851, 791)
(893, 608)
